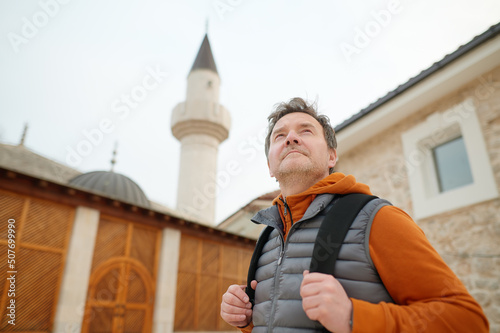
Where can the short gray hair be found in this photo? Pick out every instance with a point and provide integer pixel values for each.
(297, 104)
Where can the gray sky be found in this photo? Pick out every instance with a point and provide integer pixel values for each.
(66, 65)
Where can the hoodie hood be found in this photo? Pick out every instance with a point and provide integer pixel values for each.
(297, 204)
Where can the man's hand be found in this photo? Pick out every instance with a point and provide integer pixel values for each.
(236, 309)
(325, 300)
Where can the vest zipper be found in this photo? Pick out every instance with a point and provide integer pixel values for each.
(286, 206)
(282, 252)
(276, 282)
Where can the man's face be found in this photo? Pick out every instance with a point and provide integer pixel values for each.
(298, 148)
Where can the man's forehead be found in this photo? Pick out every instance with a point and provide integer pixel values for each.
(296, 118)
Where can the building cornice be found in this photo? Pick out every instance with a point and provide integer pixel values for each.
(23, 184)
(441, 81)
(200, 126)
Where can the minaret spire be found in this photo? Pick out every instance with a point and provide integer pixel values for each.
(204, 58)
(200, 124)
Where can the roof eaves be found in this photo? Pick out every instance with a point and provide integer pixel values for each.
(492, 32)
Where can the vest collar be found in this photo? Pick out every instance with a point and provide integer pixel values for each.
(271, 216)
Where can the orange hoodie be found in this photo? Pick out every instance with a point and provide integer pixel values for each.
(428, 296)
(298, 203)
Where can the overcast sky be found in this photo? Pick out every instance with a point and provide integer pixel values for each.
(66, 65)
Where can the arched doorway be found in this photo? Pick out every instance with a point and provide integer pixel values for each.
(120, 298)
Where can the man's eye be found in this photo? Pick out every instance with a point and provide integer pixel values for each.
(278, 136)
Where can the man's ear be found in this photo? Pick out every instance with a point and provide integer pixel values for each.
(332, 158)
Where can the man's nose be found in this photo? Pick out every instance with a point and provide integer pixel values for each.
(292, 137)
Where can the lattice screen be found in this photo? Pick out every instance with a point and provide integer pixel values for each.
(206, 269)
(42, 233)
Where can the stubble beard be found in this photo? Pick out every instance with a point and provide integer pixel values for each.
(302, 173)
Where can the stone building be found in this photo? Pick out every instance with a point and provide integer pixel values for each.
(238, 222)
(432, 147)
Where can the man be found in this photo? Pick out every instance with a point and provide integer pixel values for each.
(388, 277)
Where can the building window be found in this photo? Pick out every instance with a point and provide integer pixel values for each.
(447, 163)
(452, 165)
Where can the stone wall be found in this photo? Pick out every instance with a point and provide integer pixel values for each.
(467, 238)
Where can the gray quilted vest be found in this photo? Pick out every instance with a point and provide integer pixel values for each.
(278, 305)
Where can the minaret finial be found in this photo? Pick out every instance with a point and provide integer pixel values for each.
(23, 137)
(113, 159)
(206, 27)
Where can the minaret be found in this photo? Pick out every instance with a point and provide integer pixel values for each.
(200, 124)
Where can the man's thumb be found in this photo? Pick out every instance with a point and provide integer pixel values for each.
(305, 272)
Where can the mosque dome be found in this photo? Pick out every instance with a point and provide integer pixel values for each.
(113, 185)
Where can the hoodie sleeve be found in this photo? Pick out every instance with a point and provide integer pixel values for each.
(246, 329)
(428, 295)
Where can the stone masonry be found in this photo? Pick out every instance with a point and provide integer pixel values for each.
(467, 238)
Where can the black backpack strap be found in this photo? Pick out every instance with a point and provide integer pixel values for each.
(264, 236)
(333, 230)
(328, 242)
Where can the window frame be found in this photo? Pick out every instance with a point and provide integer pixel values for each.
(418, 144)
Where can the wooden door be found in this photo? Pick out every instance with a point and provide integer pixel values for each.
(121, 287)
(120, 298)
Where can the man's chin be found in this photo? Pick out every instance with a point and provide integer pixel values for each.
(290, 169)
